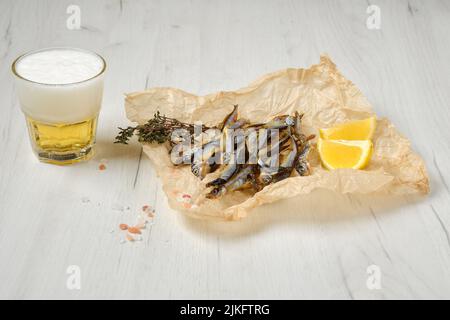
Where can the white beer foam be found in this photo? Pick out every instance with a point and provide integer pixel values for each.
(59, 66)
(55, 89)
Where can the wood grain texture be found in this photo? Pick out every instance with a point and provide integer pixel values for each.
(52, 217)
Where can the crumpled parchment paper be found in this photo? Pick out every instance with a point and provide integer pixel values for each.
(324, 96)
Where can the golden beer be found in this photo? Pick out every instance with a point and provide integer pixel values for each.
(60, 92)
(62, 143)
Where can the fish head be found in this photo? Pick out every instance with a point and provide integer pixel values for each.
(265, 178)
(216, 192)
(302, 168)
(290, 121)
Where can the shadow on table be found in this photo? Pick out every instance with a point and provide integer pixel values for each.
(107, 149)
(320, 207)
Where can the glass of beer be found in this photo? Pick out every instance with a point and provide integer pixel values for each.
(60, 92)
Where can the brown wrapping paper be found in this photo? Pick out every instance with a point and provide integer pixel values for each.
(324, 96)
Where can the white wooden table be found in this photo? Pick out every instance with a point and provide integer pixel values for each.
(53, 217)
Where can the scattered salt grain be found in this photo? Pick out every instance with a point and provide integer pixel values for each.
(149, 211)
(133, 233)
(134, 230)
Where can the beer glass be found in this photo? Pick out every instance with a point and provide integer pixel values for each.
(60, 92)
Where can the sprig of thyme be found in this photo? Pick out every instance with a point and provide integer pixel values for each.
(156, 130)
(125, 134)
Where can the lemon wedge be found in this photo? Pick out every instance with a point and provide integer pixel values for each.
(353, 130)
(337, 154)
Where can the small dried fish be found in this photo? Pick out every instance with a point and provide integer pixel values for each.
(253, 155)
(239, 181)
(298, 134)
(230, 118)
(279, 122)
(302, 165)
(233, 164)
(203, 162)
(268, 153)
(274, 174)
